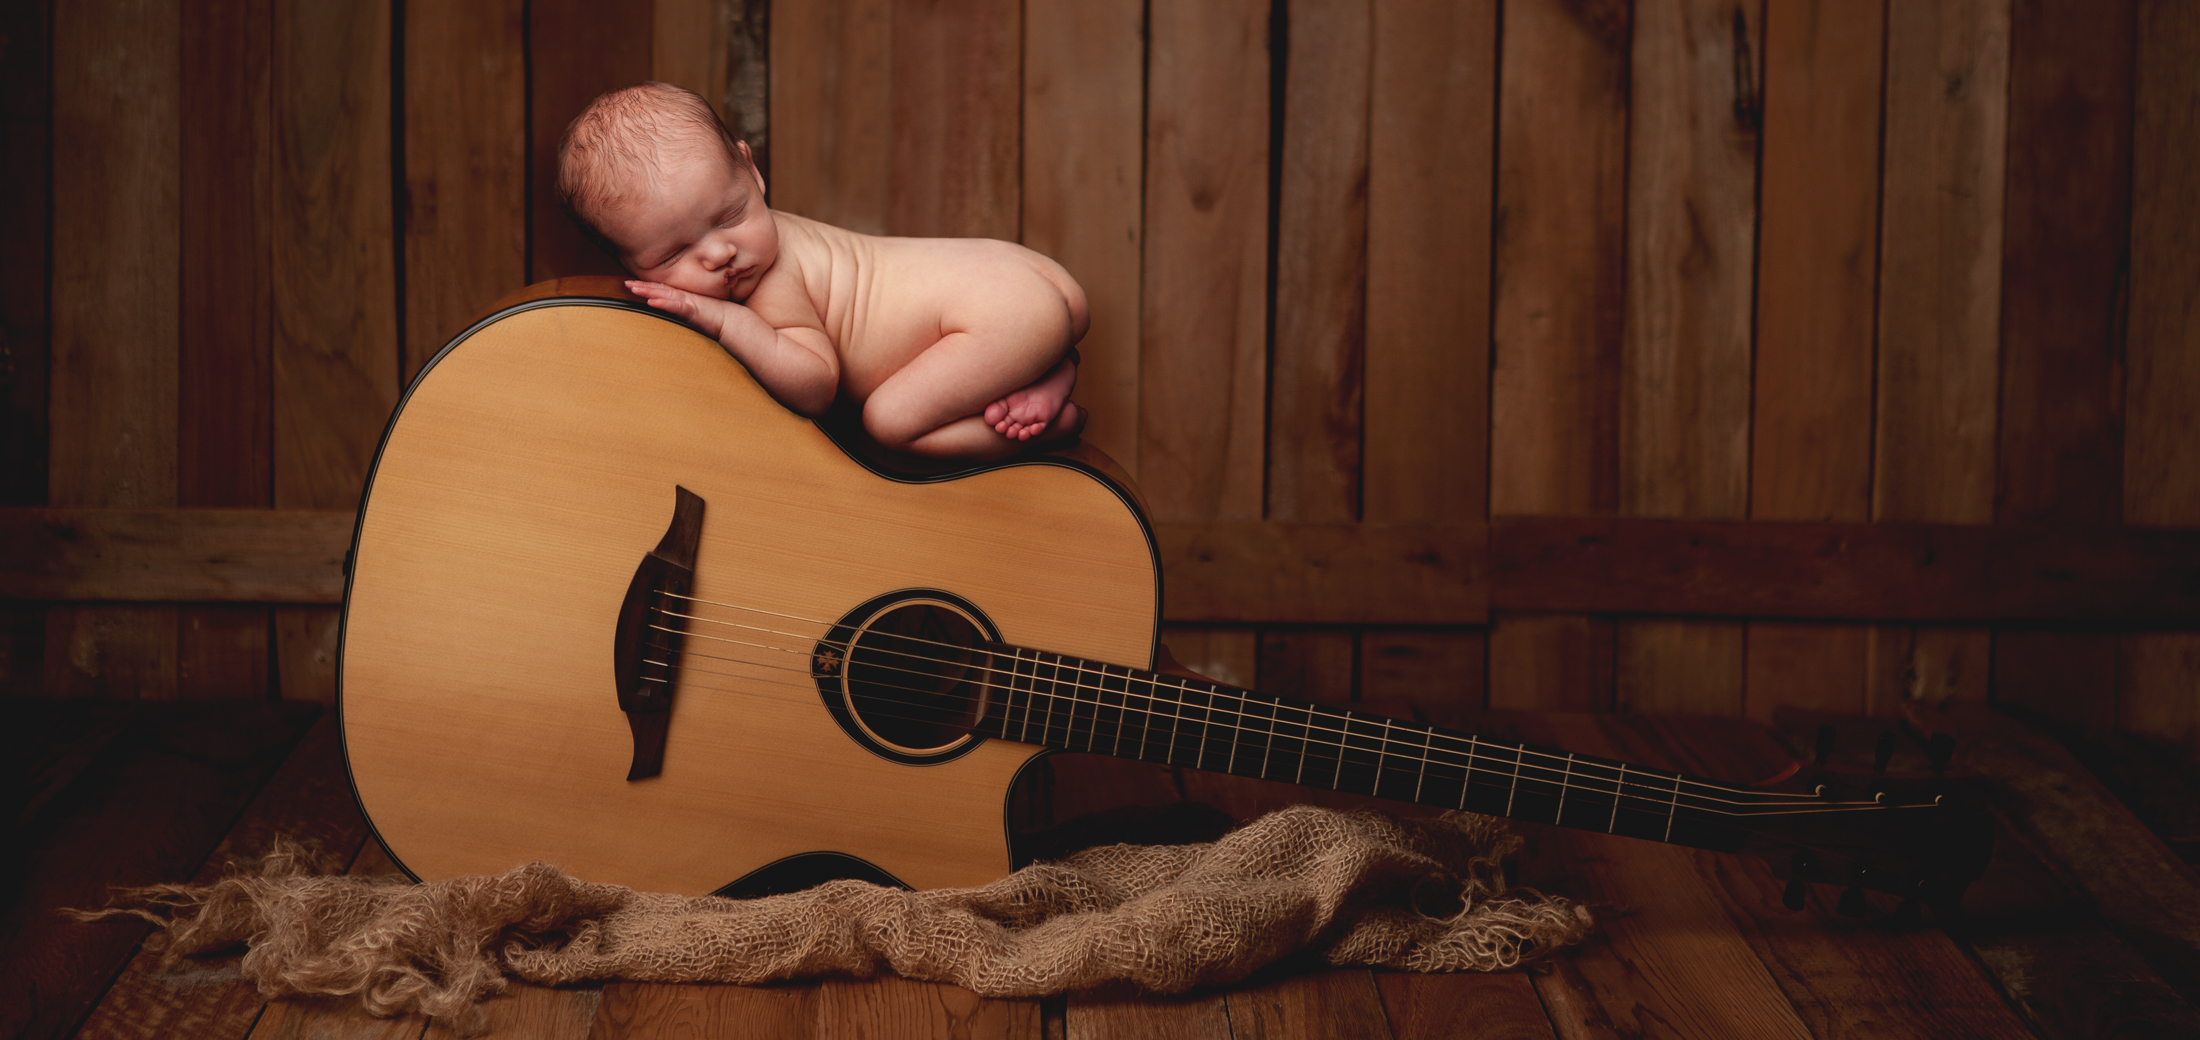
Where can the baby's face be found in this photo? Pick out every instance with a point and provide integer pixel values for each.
(706, 230)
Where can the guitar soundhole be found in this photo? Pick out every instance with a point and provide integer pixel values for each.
(917, 677)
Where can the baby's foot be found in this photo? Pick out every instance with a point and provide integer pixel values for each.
(1027, 413)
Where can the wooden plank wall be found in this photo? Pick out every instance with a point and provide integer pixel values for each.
(1356, 262)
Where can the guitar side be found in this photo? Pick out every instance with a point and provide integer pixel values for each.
(518, 486)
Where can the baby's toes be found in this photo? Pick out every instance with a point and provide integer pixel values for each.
(997, 413)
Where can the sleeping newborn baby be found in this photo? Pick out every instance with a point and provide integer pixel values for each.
(954, 347)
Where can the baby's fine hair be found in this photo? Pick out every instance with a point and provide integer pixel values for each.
(624, 138)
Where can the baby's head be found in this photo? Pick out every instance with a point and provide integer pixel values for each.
(655, 178)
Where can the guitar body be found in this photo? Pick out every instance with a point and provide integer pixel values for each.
(524, 476)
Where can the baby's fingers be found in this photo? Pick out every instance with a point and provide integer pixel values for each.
(663, 297)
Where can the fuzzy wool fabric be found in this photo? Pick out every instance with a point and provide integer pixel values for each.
(1357, 888)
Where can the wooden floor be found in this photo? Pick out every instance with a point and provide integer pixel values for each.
(2088, 924)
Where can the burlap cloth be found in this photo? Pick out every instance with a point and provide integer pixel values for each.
(1355, 888)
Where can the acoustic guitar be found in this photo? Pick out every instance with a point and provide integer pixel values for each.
(611, 606)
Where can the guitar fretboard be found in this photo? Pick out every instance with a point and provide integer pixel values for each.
(1074, 705)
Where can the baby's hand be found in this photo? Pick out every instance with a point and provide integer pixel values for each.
(706, 314)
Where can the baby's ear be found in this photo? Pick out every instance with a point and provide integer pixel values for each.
(750, 161)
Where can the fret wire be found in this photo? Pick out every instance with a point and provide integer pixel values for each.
(1268, 747)
(1206, 727)
(1016, 675)
(1175, 724)
(1122, 717)
(1427, 749)
(1472, 745)
(1301, 777)
(1380, 753)
(1516, 782)
(1673, 808)
(1565, 783)
(1613, 824)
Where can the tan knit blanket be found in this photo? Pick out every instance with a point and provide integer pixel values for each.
(1356, 888)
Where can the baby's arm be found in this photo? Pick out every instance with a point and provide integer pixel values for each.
(797, 364)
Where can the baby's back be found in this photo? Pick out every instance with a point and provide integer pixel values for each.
(884, 300)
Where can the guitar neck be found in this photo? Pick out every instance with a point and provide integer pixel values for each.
(1076, 705)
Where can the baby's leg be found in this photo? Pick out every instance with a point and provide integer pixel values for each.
(935, 404)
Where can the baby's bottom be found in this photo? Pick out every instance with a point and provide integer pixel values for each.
(938, 404)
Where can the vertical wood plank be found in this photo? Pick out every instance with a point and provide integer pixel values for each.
(1431, 138)
(334, 252)
(1551, 662)
(465, 167)
(1940, 260)
(1668, 667)
(26, 122)
(225, 401)
(1319, 308)
(1685, 367)
(1084, 94)
(2065, 247)
(1321, 265)
(1202, 371)
(1691, 188)
(115, 298)
(687, 47)
(1560, 253)
(2065, 255)
(833, 111)
(2162, 381)
(226, 303)
(1940, 250)
(720, 49)
(1932, 665)
(1811, 422)
(576, 49)
(1309, 665)
(1558, 306)
(1433, 677)
(26, 119)
(1811, 434)
(2158, 677)
(1230, 656)
(957, 132)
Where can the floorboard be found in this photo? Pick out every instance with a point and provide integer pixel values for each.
(158, 787)
(1688, 944)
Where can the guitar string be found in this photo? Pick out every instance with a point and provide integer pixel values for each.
(1344, 733)
(1617, 790)
(1217, 691)
(1518, 753)
(1656, 806)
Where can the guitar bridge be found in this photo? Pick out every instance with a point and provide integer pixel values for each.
(652, 627)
